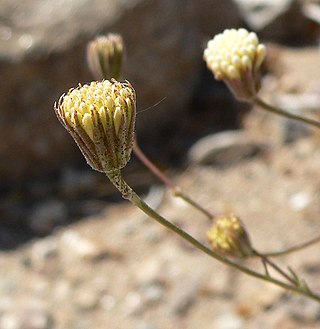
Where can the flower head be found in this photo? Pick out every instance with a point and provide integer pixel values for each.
(100, 116)
(105, 56)
(235, 56)
(228, 237)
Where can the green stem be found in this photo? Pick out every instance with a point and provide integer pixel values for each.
(177, 191)
(137, 201)
(292, 249)
(270, 108)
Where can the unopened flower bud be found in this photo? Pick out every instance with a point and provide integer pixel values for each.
(100, 116)
(228, 237)
(235, 56)
(105, 56)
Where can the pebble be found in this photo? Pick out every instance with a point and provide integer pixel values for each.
(151, 270)
(152, 293)
(133, 303)
(79, 246)
(260, 14)
(223, 149)
(43, 250)
(299, 201)
(228, 320)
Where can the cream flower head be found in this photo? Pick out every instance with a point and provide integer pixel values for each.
(100, 116)
(235, 56)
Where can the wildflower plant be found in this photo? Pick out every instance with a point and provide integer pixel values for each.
(235, 56)
(101, 115)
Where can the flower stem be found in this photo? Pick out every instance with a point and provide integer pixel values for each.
(137, 201)
(292, 249)
(273, 109)
(176, 190)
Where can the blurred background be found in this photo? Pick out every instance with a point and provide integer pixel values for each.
(51, 201)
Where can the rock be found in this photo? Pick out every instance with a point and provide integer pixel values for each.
(312, 10)
(223, 149)
(301, 105)
(42, 251)
(300, 200)
(42, 51)
(228, 320)
(152, 293)
(133, 303)
(78, 246)
(270, 17)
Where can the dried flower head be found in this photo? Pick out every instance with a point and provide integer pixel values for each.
(235, 56)
(105, 56)
(100, 117)
(228, 236)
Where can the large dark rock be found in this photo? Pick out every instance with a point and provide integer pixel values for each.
(42, 55)
(278, 20)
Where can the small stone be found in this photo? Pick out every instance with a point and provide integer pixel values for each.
(228, 321)
(133, 302)
(299, 201)
(151, 270)
(44, 249)
(224, 149)
(78, 245)
(152, 293)
(26, 41)
(263, 14)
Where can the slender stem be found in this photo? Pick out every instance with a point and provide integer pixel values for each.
(153, 168)
(186, 198)
(129, 194)
(292, 249)
(167, 181)
(136, 200)
(270, 108)
(266, 261)
(265, 266)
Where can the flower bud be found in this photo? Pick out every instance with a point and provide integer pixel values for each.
(100, 116)
(228, 237)
(105, 56)
(235, 56)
